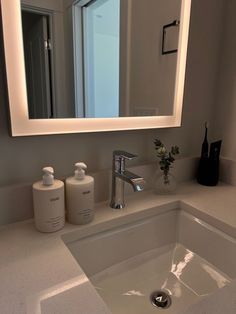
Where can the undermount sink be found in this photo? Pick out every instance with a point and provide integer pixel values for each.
(174, 252)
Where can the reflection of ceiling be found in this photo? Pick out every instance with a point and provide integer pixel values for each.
(107, 15)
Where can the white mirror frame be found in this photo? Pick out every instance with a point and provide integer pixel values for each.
(21, 125)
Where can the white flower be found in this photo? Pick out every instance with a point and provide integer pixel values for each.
(161, 150)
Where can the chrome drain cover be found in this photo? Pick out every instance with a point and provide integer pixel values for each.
(161, 299)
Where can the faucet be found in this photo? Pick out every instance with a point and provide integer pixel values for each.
(120, 176)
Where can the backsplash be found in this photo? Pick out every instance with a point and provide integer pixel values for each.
(16, 200)
(228, 171)
(17, 205)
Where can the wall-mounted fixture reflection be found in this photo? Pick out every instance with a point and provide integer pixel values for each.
(99, 58)
(170, 38)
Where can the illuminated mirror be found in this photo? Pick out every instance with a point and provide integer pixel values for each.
(100, 65)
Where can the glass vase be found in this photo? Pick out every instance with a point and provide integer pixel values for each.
(164, 183)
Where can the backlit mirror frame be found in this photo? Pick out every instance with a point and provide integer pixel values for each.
(21, 125)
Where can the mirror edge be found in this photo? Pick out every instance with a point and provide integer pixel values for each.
(21, 125)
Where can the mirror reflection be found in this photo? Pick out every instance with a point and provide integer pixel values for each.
(100, 58)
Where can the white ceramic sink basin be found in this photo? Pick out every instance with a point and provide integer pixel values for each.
(174, 252)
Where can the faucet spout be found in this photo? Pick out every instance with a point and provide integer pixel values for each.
(138, 185)
(119, 176)
(136, 181)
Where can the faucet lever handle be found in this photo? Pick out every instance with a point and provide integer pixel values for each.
(123, 155)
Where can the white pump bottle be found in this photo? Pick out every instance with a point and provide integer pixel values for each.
(49, 202)
(80, 196)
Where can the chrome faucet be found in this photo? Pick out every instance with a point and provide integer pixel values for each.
(120, 176)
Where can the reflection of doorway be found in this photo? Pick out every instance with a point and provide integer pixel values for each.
(100, 20)
(36, 34)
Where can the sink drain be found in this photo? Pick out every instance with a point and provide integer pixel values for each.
(161, 299)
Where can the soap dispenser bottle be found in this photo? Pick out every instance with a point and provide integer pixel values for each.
(80, 196)
(49, 202)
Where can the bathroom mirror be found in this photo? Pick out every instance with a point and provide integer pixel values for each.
(100, 65)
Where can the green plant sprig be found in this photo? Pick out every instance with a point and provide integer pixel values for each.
(166, 158)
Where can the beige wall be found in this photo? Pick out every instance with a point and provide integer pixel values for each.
(22, 158)
(225, 102)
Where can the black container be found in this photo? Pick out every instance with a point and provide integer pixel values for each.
(208, 169)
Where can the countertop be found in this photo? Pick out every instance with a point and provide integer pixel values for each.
(39, 274)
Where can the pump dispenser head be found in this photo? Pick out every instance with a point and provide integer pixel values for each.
(48, 178)
(80, 170)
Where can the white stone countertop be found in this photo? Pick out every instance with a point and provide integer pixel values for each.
(38, 274)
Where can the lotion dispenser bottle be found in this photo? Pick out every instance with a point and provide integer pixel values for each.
(80, 196)
(49, 202)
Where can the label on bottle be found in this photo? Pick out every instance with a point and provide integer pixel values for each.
(54, 199)
(85, 215)
(86, 192)
(55, 222)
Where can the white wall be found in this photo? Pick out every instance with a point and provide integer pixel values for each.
(22, 158)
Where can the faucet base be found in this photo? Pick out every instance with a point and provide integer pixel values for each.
(116, 205)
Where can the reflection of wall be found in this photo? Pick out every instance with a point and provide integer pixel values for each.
(106, 76)
(69, 59)
(152, 78)
(64, 104)
(106, 59)
(22, 158)
(105, 71)
(148, 89)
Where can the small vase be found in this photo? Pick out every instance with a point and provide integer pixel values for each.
(164, 183)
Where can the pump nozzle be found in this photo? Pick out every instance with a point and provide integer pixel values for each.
(48, 178)
(80, 170)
